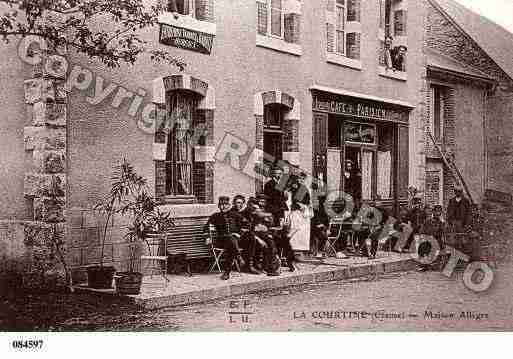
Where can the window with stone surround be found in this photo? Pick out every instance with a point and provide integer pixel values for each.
(343, 32)
(279, 25)
(393, 38)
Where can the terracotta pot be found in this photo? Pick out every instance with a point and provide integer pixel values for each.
(128, 282)
(100, 277)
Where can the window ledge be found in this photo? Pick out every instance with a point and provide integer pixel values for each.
(189, 210)
(187, 22)
(344, 61)
(396, 75)
(278, 45)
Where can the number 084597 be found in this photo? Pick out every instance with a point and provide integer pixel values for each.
(27, 344)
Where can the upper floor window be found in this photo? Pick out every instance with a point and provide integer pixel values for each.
(278, 25)
(343, 32)
(199, 9)
(393, 24)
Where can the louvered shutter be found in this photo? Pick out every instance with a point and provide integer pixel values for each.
(400, 23)
(402, 161)
(205, 10)
(160, 179)
(353, 10)
(382, 17)
(292, 24)
(330, 26)
(262, 18)
(320, 143)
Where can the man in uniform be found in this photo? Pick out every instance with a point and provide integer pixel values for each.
(277, 199)
(228, 228)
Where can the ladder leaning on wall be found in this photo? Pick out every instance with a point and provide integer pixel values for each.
(449, 163)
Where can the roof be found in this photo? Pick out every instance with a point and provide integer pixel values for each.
(495, 40)
(436, 60)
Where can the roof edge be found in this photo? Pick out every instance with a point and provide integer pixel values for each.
(437, 6)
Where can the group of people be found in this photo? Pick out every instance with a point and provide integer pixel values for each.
(255, 235)
(280, 220)
(420, 219)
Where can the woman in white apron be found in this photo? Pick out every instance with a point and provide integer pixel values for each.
(298, 219)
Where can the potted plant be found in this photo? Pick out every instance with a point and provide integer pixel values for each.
(101, 276)
(136, 202)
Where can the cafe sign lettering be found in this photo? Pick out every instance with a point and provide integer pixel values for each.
(186, 39)
(358, 109)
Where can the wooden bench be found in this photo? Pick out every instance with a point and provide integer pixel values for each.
(186, 241)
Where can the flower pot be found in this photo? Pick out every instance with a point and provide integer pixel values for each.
(100, 277)
(128, 282)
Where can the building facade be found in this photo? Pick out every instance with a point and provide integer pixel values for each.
(469, 98)
(310, 82)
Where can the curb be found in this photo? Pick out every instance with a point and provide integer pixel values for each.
(204, 295)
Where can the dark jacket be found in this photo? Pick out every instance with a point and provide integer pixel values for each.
(353, 185)
(459, 211)
(435, 227)
(277, 202)
(417, 217)
(226, 223)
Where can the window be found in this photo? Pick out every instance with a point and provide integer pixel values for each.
(341, 21)
(183, 7)
(202, 10)
(179, 156)
(273, 131)
(343, 32)
(437, 113)
(393, 40)
(360, 133)
(278, 25)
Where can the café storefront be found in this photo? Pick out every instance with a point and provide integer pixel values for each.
(373, 134)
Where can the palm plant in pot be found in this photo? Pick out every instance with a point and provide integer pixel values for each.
(129, 196)
(145, 218)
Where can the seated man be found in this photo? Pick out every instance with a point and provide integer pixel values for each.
(238, 204)
(434, 226)
(267, 238)
(281, 236)
(228, 229)
(319, 226)
(249, 241)
(416, 217)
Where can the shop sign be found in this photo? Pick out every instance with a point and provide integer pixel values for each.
(186, 39)
(358, 109)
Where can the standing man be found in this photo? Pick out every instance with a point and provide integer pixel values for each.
(459, 213)
(353, 183)
(277, 199)
(228, 229)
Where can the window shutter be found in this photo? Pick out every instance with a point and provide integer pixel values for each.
(320, 143)
(353, 45)
(205, 10)
(160, 179)
(353, 10)
(292, 27)
(400, 23)
(402, 161)
(330, 25)
(262, 18)
(382, 10)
